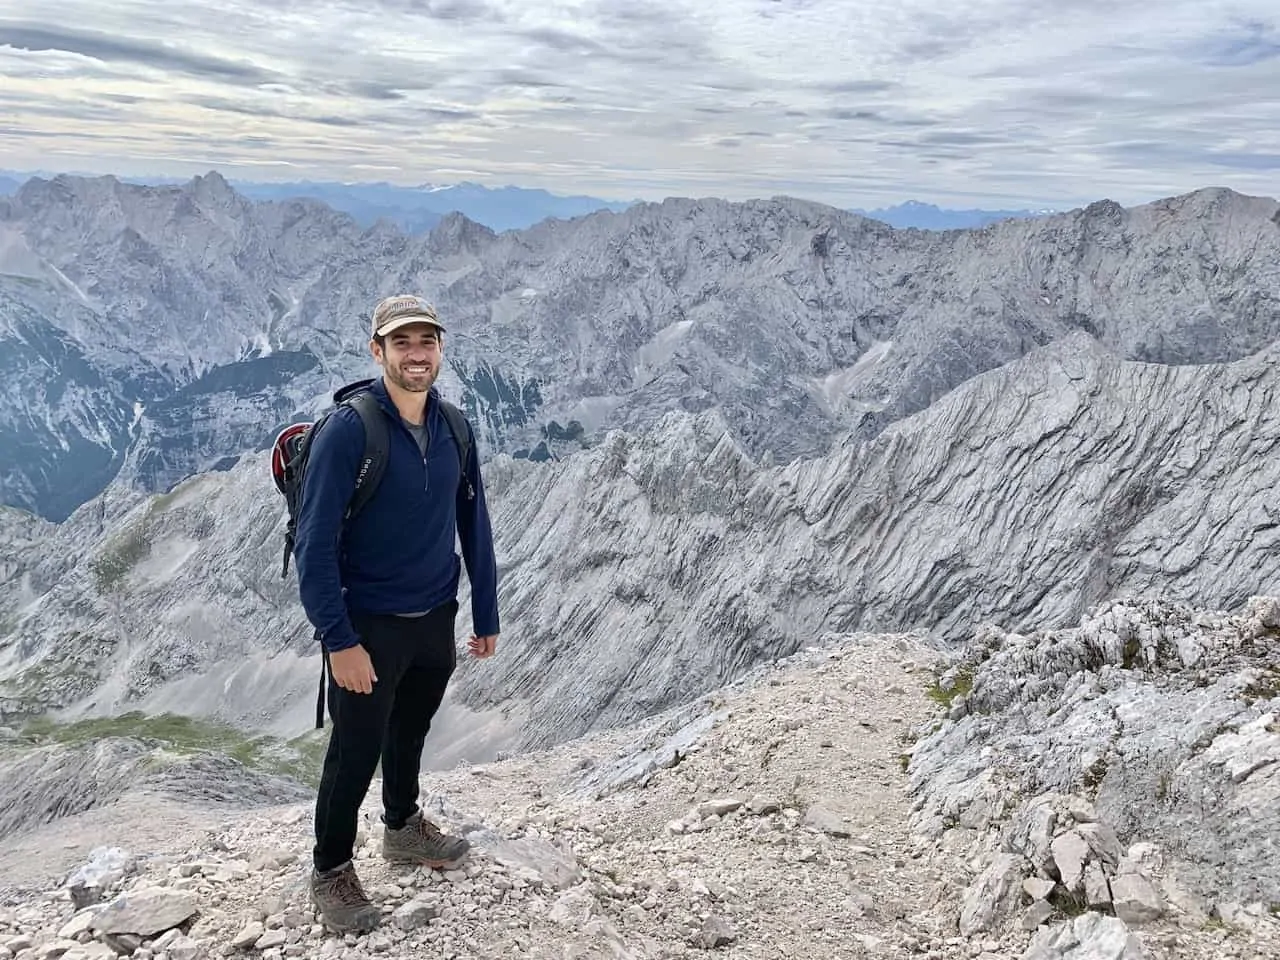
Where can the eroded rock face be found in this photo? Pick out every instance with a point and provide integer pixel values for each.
(1131, 764)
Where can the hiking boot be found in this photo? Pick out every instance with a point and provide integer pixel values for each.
(340, 898)
(420, 841)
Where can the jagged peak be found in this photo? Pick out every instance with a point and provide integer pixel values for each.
(457, 229)
(213, 186)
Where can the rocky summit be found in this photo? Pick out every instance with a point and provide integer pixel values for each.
(1104, 792)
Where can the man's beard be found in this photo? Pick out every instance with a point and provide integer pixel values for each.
(411, 384)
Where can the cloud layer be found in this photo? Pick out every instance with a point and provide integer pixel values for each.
(854, 102)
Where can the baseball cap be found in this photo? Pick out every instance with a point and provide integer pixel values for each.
(394, 312)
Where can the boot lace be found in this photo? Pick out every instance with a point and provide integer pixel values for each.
(346, 889)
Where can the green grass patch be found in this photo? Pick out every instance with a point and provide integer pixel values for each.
(112, 565)
(1132, 653)
(961, 687)
(1070, 904)
(1094, 775)
(299, 758)
(162, 501)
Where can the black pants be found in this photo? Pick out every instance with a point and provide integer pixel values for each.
(413, 658)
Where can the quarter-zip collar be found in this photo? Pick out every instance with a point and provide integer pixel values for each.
(378, 388)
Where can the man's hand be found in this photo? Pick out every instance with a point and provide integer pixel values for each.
(482, 647)
(353, 670)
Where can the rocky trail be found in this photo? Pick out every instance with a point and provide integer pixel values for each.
(782, 817)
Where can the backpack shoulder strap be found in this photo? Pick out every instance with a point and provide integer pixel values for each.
(462, 436)
(376, 445)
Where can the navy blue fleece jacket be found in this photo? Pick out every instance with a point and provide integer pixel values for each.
(398, 555)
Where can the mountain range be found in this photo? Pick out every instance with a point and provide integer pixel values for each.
(415, 209)
(153, 333)
(912, 214)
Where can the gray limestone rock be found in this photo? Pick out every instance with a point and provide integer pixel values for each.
(715, 932)
(145, 912)
(573, 908)
(719, 807)
(1158, 715)
(1090, 936)
(1073, 452)
(1102, 841)
(819, 818)
(994, 894)
(1036, 914)
(1037, 888)
(250, 311)
(1136, 899)
(1097, 892)
(416, 912)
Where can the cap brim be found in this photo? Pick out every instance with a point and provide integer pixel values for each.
(399, 322)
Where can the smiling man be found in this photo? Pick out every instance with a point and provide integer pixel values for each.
(381, 590)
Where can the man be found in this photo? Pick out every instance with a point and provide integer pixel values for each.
(382, 595)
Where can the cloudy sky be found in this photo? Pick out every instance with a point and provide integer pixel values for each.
(1047, 103)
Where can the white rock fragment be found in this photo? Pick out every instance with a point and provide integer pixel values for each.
(1038, 888)
(271, 939)
(719, 807)
(714, 932)
(416, 913)
(145, 912)
(1070, 851)
(1036, 914)
(573, 908)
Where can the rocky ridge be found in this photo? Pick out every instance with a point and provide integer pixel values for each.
(769, 819)
(1130, 764)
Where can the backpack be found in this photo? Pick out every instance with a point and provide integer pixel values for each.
(292, 449)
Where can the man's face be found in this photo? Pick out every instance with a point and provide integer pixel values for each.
(411, 358)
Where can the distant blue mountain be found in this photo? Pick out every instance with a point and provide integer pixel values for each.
(416, 209)
(926, 216)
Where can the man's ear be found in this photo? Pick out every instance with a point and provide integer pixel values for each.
(376, 351)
